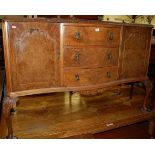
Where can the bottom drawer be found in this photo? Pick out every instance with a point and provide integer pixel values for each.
(85, 77)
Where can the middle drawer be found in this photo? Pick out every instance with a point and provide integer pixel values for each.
(89, 57)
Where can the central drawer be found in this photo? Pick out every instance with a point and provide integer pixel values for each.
(84, 77)
(91, 35)
(90, 57)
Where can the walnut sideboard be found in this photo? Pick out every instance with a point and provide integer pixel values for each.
(44, 56)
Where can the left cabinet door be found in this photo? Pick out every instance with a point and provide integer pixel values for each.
(32, 55)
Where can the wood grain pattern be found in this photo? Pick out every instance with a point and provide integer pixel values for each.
(7, 56)
(89, 57)
(136, 46)
(94, 35)
(84, 77)
(106, 85)
(51, 47)
(32, 55)
(44, 56)
(54, 116)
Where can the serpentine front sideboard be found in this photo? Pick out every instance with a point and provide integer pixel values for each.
(44, 56)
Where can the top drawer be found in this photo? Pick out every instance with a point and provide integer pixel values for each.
(91, 35)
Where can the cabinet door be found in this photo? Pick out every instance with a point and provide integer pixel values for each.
(135, 51)
(33, 55)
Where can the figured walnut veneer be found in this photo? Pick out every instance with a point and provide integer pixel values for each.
(44, 56)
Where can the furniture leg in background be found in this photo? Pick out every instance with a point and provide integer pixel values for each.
(70, 96)
(151, 128)
(148, 87)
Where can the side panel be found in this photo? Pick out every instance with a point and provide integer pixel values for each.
(135, 51)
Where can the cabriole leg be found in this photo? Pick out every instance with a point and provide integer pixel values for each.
(148, 89)
(8, 104)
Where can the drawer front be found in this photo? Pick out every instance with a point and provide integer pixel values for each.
(82, 35)
(90, 57)
(83, 77)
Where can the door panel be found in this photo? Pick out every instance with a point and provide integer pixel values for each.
(33, 48)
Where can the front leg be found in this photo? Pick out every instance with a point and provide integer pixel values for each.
(148, 88)
(8, 104)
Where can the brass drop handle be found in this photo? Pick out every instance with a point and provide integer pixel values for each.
(77, 56)
(110, 34)
(77, 35)
(109, 56)
(77, 77)
(109, 74)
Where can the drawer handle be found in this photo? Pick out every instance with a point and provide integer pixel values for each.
(77, 77)
(77, 56)
(109, 74)
(77, 35)
(109, 56)
(110, 34)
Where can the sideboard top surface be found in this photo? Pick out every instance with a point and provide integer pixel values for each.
(82, 21)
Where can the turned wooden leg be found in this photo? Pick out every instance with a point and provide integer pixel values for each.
(131, 90)
(151, 128)
(8, 104)
(118, 90)
(70, 96)
(148, 89)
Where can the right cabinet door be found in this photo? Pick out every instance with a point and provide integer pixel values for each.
(135, 51)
